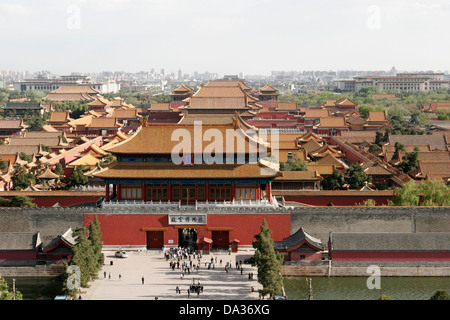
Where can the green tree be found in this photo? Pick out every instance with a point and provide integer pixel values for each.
(444, 116)
(3, 165)
(374, 148)
(83, 256)
(46, 148)
(367, 203)
(35, 121)
(78, 178)
(109, 158)
(294, 164)
(59, 170)
(23, 202)
(4, 97)
(364, 109)
(6, 294)
(356, 177)
(335, 181)
(25, 157)
(398, 147)
(86, 255)
(379, 138)
(18, 201)
(268, 262)
(35, 95)
(427, 193)
(95, 237)
(434, 193)
(410, 161)
(21, 178)
(407, 195)
(440, 295)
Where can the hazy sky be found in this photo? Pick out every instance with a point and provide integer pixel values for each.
(228, 36)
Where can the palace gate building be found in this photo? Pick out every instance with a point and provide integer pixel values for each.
(200, 181)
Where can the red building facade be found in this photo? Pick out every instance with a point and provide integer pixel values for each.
(165, 230)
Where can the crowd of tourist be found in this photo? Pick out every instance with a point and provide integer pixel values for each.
(186, 260)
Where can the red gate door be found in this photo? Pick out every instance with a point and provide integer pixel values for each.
(155, 239)
(220, 239)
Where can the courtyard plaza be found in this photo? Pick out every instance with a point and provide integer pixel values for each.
(147, 275)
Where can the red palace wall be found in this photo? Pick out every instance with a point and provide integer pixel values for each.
(390, 256)
(18, 255)
(48, 199)
(309, 256)
(130, 229)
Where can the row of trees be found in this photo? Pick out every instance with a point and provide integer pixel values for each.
(87, 258)
(22, 178)
(431, 193)
(404, 100)
(17, 201)
(33, 95)
(353, 178)
(426, 193)
(406, 104)
(141, 97)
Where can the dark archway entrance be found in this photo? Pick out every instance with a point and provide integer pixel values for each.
(187, 238)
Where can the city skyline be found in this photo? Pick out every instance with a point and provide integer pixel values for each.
(249, 37)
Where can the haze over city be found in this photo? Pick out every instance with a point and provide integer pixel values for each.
(226, 37)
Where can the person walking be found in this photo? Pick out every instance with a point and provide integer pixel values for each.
(120, 276)
(142, 279)
(109, 276)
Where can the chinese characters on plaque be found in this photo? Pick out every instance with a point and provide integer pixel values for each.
(187, 219)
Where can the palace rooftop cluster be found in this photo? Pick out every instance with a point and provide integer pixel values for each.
(329, 136)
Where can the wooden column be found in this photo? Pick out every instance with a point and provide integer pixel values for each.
(144, 193)
(118, 192)
(107, 193)
(258, 192)
(269, 192)
(207, 192)
(169, 192)
(233, 192)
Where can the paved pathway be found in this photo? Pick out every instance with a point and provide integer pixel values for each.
(161, 281)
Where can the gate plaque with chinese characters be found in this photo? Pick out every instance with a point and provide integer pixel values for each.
(187, 219)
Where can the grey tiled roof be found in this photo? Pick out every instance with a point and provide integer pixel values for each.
(432, 241)
(297, 238)
(436, 141)
(19, 240)
(24, 105)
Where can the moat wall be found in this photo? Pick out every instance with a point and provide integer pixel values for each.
(318, 221)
